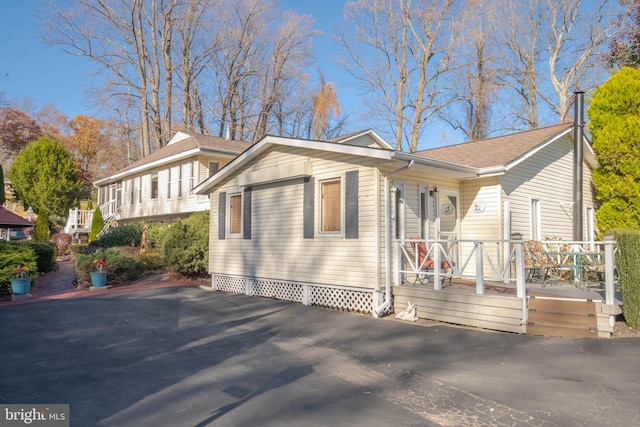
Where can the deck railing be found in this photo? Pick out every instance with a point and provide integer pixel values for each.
(502, 260)
(79, 220)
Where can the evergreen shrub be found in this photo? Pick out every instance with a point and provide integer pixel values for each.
(186, 245)
(46, 253)
(97, 223)
(628, 242)
(123, 265)
(14, 255)
(124, 235)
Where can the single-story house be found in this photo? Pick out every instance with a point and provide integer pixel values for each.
(325, 222)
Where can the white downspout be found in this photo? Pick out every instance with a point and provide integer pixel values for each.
(377, 311)
(388, 243)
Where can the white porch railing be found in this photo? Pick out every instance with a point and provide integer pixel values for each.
(79, 220)
(497, 260)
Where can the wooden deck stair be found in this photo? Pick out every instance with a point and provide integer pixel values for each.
(558, 317)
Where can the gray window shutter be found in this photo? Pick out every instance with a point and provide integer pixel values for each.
(308, 210)
(351, 205)
(246, 213)
(222, 215)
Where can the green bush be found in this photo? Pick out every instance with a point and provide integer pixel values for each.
(186, 245)
(155, 234)
(46, 253)
(628, 242)
(97, 224)
(153, 259)
(123, 265)
(125, 235)
(14, 255)
(77, 248)
(42, 231)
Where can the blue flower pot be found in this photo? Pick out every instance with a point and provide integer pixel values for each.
(98, 279)
(20, 286)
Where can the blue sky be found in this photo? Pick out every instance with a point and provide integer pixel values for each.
(29, 68)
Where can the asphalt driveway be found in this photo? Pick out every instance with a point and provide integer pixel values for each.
(188, 357)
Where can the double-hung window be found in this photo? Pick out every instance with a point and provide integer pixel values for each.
(154, 186)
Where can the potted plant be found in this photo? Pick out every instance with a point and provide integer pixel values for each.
(21, 281)
(99, 277)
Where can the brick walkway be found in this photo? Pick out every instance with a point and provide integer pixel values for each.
(60, 284)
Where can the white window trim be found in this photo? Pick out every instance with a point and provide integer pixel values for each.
(319, 181)
(538, 207)
(180, 172)
(192, 175)
(169, 176)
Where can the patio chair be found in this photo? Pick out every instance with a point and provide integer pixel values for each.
(536, 260)
(425, 263)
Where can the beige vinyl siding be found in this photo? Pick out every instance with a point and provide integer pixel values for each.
(547, 176)
(277, 249)
(480, 226)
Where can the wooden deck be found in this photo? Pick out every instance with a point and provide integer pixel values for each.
(561, 310)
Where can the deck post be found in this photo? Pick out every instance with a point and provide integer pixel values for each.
(479, 269)
(608, 269)
(437, 265)
(520, 283)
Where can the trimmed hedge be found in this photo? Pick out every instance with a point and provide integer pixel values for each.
(628, 242)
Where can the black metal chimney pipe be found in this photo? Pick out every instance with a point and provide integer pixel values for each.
(578, 136)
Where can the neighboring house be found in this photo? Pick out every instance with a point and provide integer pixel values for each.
(12, 226)
(13, 205)
(158, 187)
(322, 222)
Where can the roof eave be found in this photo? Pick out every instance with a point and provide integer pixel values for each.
(189, 153)
(268, 141)
(461, 171)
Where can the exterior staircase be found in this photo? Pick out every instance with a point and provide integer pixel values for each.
(79, 220)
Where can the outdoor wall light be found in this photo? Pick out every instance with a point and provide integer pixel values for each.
(434, 192)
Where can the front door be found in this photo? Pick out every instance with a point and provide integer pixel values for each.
(448, 222)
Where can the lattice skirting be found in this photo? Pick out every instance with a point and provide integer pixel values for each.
(337, 298)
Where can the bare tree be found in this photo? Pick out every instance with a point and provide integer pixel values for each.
(130, 40)
(194, 55)
(475, 84)
(401, 52)
(288, 54)
(576, 40)
(551, 50)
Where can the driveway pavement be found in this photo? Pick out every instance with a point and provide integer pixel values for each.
(182, 356)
